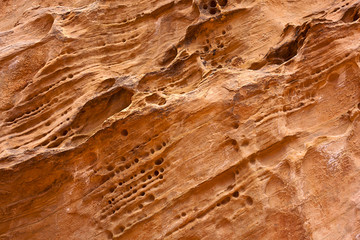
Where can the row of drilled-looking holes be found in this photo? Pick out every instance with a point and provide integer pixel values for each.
(144, 179)
(156, 173)
(211, 6)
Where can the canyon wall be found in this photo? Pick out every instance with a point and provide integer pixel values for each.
(180, 119)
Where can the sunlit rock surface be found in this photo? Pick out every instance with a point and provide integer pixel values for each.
(186, 119)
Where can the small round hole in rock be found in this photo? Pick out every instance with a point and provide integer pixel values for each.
(205, 6)
(142, 171)
(156, 173)
(71, 76)
(124, 132)
(161, 170)
(159, 161)
(225, 200)
(213, 4)
(151, 197)
(149, 177)
(161, 176)
(183, 214)
(136, 160)
(245, 142)
(206, 48)
(222, 2)
(249, 201)
(142, 194)
(152, 151)
(121, 229)
(235, 194)
(212, 12)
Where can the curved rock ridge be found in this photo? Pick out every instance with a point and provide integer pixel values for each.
(180, 119)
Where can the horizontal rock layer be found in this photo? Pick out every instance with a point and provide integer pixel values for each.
(227, 119)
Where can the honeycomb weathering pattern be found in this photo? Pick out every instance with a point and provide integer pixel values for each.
(183, 119)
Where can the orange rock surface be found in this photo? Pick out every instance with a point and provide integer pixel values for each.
(180, 119)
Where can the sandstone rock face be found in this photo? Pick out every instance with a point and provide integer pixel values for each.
(180, 119)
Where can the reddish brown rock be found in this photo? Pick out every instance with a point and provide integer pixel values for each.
(183, 119)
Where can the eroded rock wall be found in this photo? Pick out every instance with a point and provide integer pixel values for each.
(185, 119)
